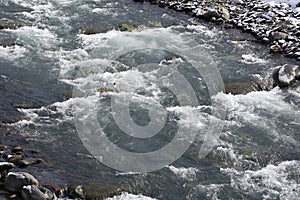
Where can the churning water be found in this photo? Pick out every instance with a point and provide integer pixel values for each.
(52, 74)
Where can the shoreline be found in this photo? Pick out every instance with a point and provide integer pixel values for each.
(277, 25)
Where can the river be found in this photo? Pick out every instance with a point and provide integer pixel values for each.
(58, 86)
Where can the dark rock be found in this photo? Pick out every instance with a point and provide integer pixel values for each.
(48, 194)
(3, 147)
(6, 166)
(17, 149)
(275, 48)
(127, 27)
(242, 87)
(96, 30)
(278, 36)
(95, 191)
(211, 13)
(15, 181)
(29, 161)
(3, 154)
(75, 192)
(32, 192)
(10, 26)
(14, 158)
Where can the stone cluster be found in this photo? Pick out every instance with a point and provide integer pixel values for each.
(277, 25)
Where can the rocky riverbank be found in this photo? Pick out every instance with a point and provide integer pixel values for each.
(277, 25)
(19, 185)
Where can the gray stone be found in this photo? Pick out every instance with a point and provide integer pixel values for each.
(32, 192)
(15, 181)
(286, 75)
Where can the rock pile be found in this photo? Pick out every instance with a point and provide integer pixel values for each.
(275, 24)
(24, 186)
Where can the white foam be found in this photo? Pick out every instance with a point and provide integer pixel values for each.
(293, 3)
(252, 59)
(185, 173)
(128, 196)
(34, 36)
(12, 53)
(262, 110)
(274, 181)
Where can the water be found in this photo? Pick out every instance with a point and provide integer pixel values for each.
(257, 155)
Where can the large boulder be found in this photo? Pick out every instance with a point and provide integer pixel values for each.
(15, 181)
(286, 75)
(32, 192)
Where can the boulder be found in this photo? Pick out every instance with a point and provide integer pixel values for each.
(286, 75)
(6, 166)
(15, 181)
(32, 192)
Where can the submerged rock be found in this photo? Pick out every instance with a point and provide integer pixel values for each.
(286, 75)
(15, 181)
(94, 191)
(242, 87)
(29, 161)
(127, 27)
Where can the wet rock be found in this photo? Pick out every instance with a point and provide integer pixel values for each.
(286, 75)
(32, 192)
(14, 158)
(3, 147)
(96, 30)
(15, 181)
(6, 166)
(238, 1)
(3, 154)
(275, 48)
(94, 191)
(242, 87)
(224, 12)
(75, 192)
(278, 36)
(29, 161)
(127, 27)
(211, 13)
(48, 194)
(10, 26)
(17, 149)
